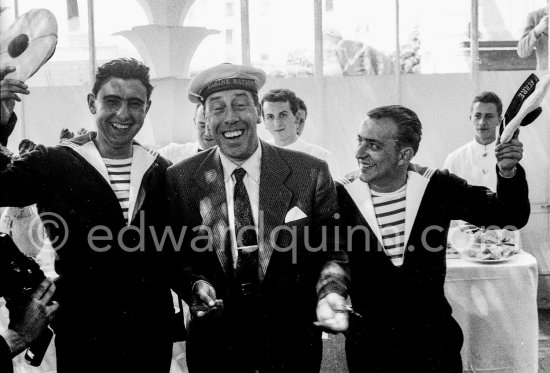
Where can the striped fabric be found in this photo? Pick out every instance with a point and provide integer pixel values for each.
(390, 214)
(119, 175)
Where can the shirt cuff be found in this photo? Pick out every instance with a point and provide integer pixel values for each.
(7, 129)
(512, 173)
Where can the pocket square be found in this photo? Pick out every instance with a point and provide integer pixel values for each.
(294, 214)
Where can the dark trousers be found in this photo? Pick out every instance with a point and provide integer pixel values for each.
(92, 355)
(397, 348)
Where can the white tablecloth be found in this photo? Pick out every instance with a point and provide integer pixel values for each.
(496, 307)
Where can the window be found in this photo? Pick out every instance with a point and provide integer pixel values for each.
(434, 35)
(217, 47)
(501, 25)
(229, 36)
(229, 12)
(108, 22)
(358, 37)
(282, 30)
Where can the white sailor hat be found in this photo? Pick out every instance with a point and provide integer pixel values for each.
(224, 77)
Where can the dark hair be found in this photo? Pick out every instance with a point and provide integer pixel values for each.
(488, 97)
(26, 146)
(66, 134)
(302, 105)
(282, 95)
(409, 128)
(123, 68)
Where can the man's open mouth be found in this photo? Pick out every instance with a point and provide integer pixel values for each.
(120, 126)
(233, 134)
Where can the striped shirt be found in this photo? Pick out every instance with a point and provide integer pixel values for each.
(119, 176)
(389, 209)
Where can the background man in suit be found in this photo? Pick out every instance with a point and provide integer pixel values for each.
(535, 37)
(254, 283)
(397, 255)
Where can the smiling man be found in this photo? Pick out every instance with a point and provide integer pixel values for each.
(475, 161)
(254, 283)
(398, 260)
(284, 115)
(115, 302)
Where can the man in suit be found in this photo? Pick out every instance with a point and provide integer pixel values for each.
(535, 38)
(399, 214)
(260, 267)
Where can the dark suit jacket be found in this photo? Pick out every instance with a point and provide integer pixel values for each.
(407, 324)
(289, 271)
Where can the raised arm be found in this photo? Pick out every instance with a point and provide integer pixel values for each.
(9, 90)
(531, 34)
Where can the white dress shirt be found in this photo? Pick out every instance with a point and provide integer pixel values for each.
(251, 181)
(475, 163)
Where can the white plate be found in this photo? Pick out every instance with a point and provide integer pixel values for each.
(487, 261)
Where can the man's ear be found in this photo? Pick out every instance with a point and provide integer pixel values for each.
(259, 112)
(405, 156)
(300, 126)
(91, 103)
(148, 106)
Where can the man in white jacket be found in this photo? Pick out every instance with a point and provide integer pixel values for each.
(284, 116)
(475, 161)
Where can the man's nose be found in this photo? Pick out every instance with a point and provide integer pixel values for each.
(122, 111)
(207, 131)
(360, 152)
(231, 116)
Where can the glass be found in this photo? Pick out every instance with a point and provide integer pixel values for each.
(223, 46)
(434, 35)
(501, 25)
(112, 17)
(358, 37)
(282, 39)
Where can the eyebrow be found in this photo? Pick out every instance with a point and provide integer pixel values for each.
(367, 139)
(237, 95)
(107, 97)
